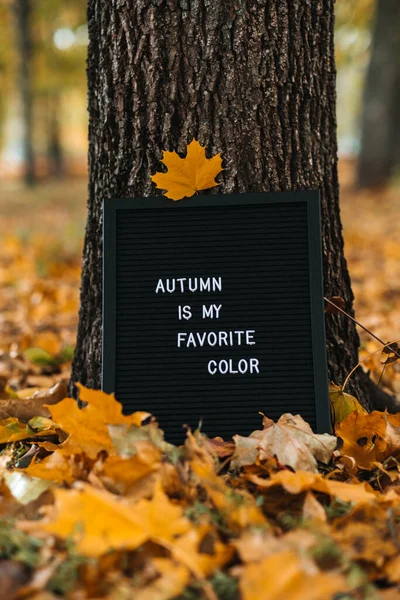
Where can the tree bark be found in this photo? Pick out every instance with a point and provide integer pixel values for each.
(380, 148)
(23, 11)
(252, 79)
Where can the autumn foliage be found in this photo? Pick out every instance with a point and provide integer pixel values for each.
(99, 504)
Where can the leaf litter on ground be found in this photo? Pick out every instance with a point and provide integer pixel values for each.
(283, 515)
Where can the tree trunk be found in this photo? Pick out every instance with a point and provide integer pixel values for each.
(254, 80)
(55, 154)
(23, 10)
(379, 137)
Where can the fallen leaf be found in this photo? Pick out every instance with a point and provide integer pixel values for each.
(55, 467)
(33, 405)
(283, 576)
(25, 489)
(100, 521)
(313, 510)
(369, 438)
(291, 440)
(342, 405)
(13, 430)
(173, 579)
(201, 551)
(302, 481)
(188, 175)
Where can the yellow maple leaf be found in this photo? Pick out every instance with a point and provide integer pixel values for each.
(99, 521)
(88, 427)
(188, 175)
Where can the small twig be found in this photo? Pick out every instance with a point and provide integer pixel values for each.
(362, 327)
(381, 375)
(359, 363)
(395, 352)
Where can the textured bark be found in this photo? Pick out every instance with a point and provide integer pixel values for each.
(252, 79)
(23, 11)
(380, 147)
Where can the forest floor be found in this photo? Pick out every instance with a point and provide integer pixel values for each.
(94, 504)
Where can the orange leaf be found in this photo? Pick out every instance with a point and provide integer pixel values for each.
(283, 575)
(100, 521)
(296, 483)
(88, 427)
(369, 438)
(188, 175)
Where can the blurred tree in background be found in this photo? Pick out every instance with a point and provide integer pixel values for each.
(23, 27)
(380, 143)
(42, 59)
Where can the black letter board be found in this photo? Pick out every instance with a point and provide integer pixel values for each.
(213, 310)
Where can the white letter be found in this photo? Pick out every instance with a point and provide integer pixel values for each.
(205, 285)
(217, 284)
(207, 312)
(242, 366)
(192, 287)
(249, 336)
(217, 309)
(212, 336)
(179, 338)
(254, 365)
(160, 286)
(187, 312)
(212, 370)
(181, 280)
(171, 288)
(223, 338)
(191, 341)
(223, 367)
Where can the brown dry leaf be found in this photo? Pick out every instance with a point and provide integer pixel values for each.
(188, 175)
(34, 405)
(291, 440)
(338, 303)
(393, 351)
(284, 575)
(313, 510)
(342, 404)
(100, 521)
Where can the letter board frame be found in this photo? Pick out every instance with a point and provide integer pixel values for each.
(115, 209)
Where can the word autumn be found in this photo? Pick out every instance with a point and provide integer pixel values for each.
(236, 337)
(189, 284)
